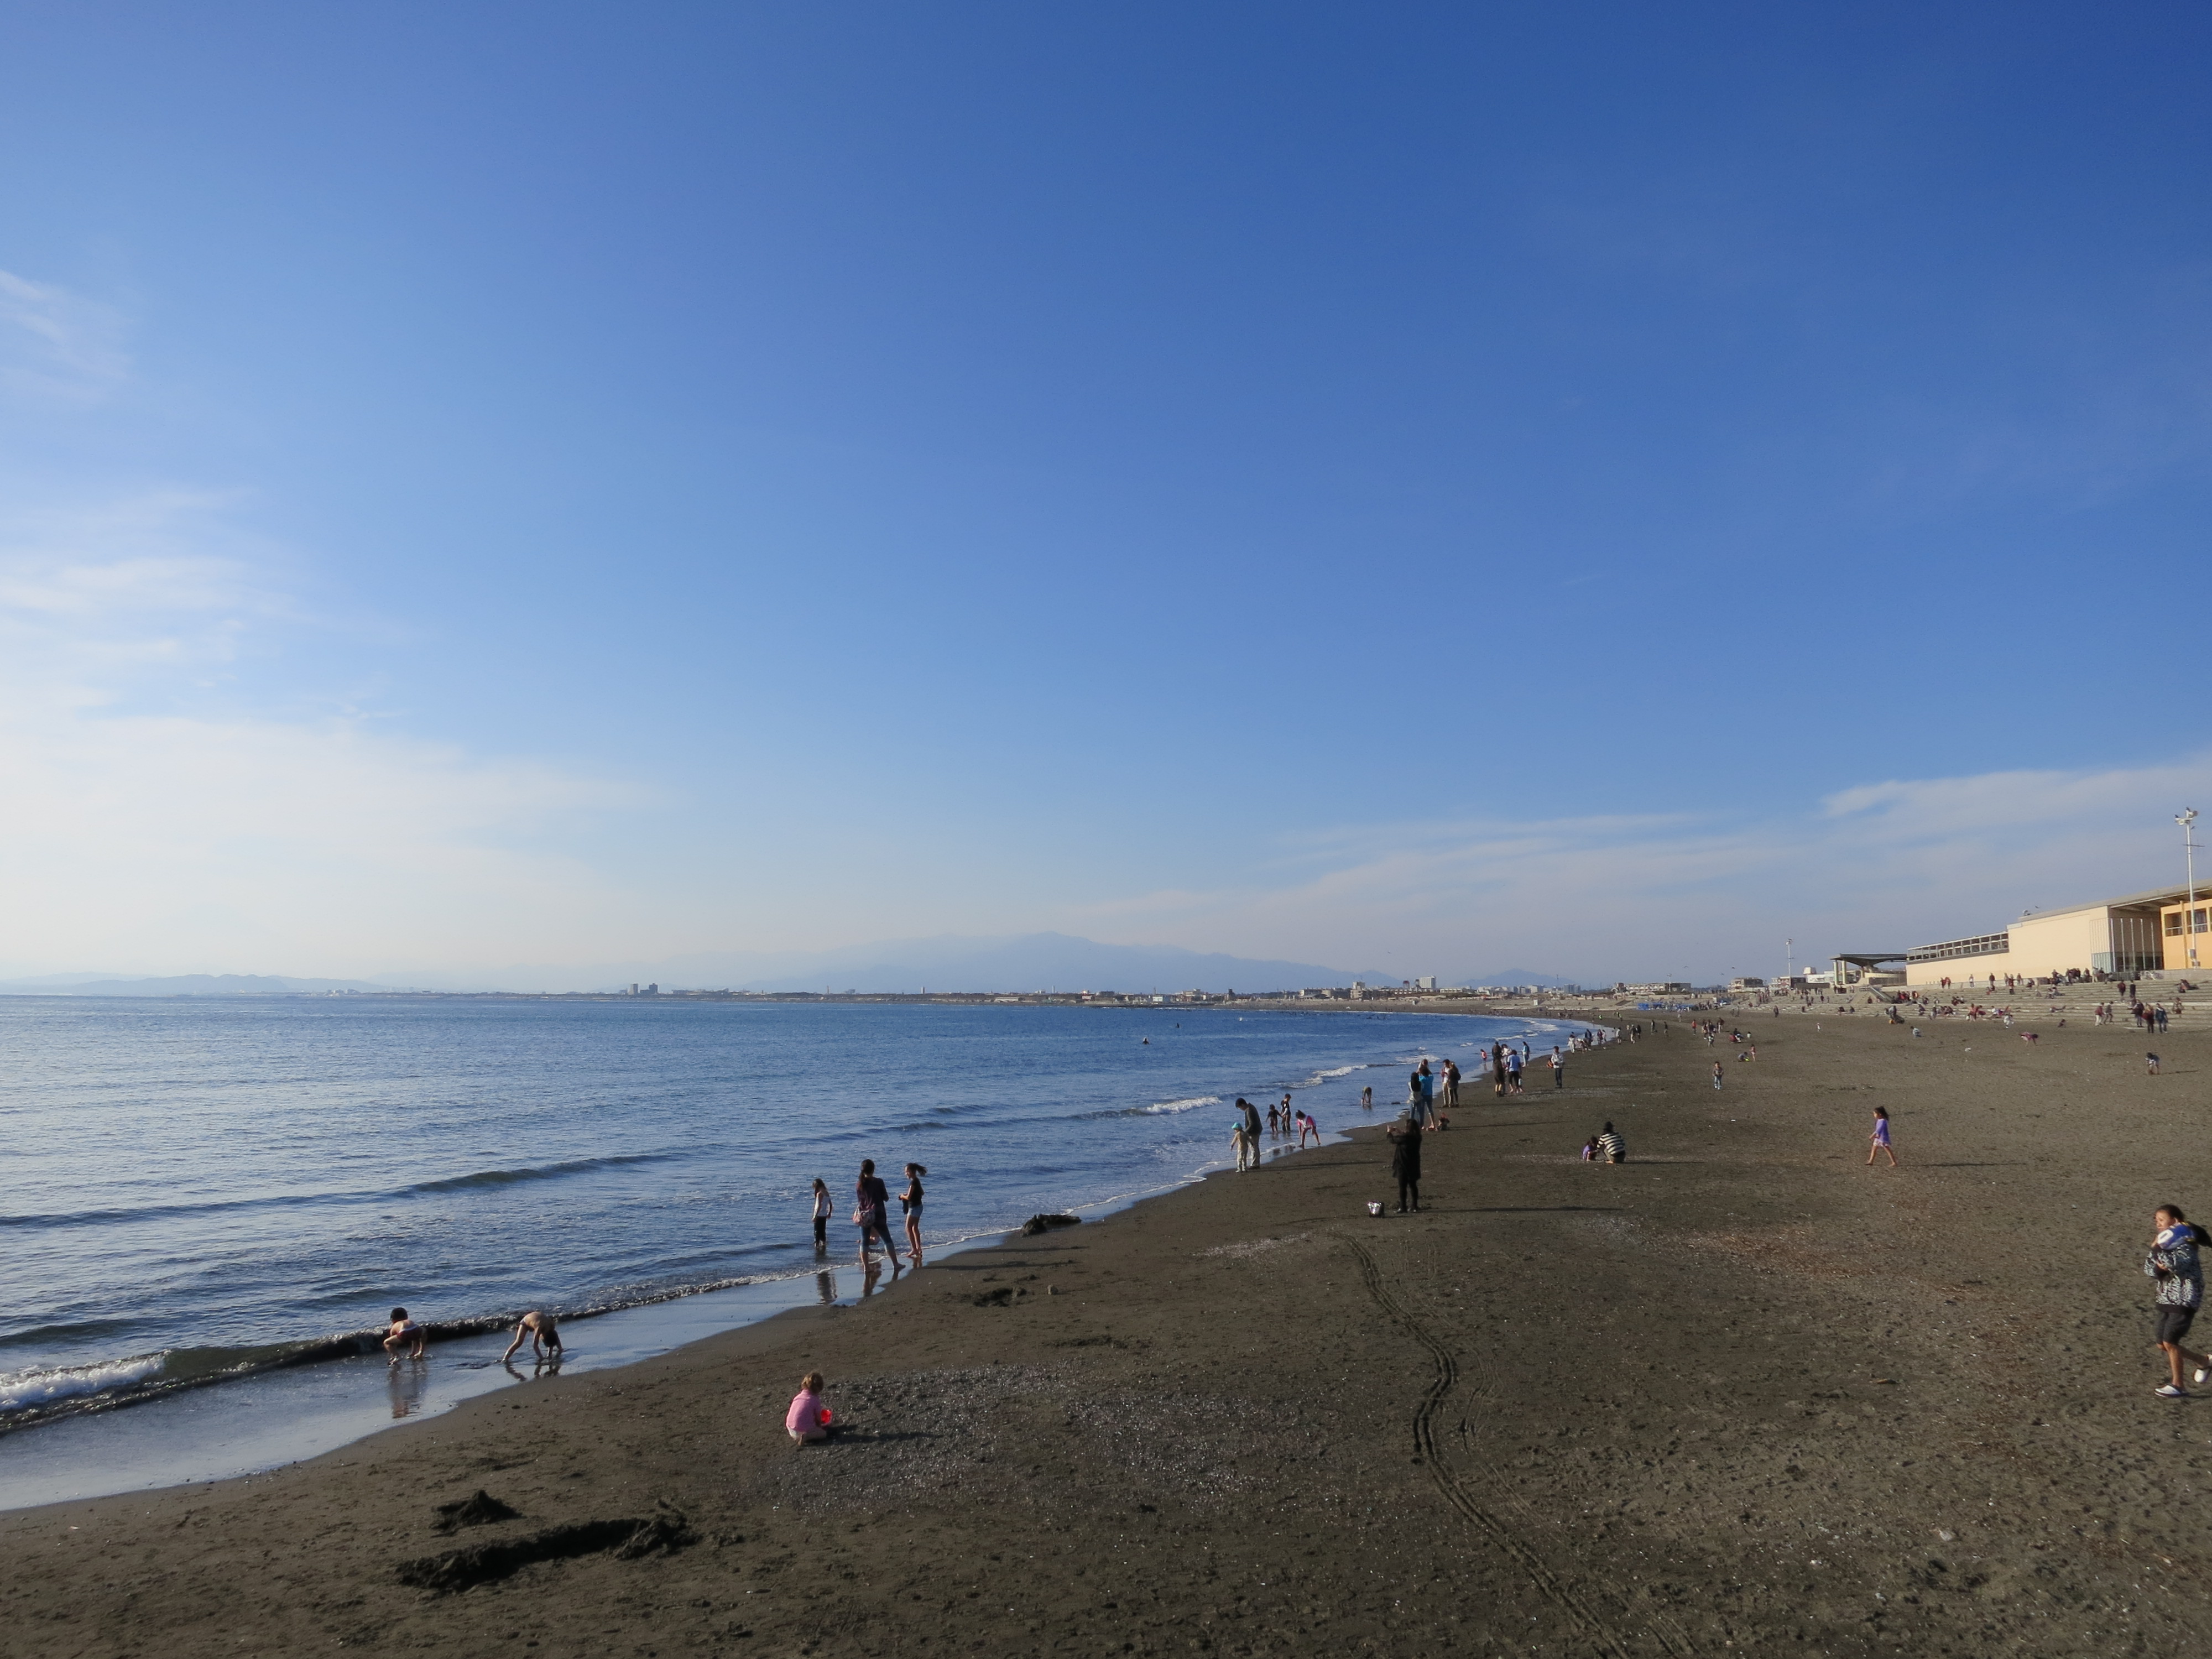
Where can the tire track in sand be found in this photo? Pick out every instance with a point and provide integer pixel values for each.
(1673, 1638)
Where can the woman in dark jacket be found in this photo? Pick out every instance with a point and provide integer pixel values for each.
(1406, 1162)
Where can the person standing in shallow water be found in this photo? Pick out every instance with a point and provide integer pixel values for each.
(1406, 1162)
(910, 1201)
(871, 1202)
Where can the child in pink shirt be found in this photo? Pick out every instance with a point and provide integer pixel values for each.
(804, 1421)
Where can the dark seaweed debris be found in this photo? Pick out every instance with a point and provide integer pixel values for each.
(478, 1509)
(480, 1563)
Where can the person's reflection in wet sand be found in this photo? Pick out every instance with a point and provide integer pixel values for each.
(546, 1365)
(874, 1272)
(407, 1385)
(827, 1284)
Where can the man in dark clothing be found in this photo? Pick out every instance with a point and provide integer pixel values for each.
(1251, 1124)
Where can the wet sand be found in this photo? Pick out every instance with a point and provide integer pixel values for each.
(1740, 1395)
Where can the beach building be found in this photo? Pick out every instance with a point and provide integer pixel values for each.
(2125, 938)
(2180, 926)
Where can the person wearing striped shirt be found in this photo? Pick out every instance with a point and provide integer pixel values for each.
(1613, 1146)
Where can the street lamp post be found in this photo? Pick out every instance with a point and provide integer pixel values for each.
(2186, 818)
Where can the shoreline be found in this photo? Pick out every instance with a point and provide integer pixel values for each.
(1742, 1392)
(155, 1382)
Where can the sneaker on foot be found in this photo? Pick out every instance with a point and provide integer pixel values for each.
(2167, 1391)
(2202, 1375)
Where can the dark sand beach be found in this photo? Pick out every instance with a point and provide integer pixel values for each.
(1741, 1394)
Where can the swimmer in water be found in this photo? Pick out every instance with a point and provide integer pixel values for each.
(541, 1330)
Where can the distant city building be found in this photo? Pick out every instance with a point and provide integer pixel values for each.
(1747, 982)
(1358, 989)
(1427, 982)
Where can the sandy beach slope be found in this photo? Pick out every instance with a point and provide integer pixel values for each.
(1743, 1394)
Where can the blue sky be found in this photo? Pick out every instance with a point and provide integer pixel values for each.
(1425, 486)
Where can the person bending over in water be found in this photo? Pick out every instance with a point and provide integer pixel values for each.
(541, 1330)
(1308, 1127)
(404, 1332)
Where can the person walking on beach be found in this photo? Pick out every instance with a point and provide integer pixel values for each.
(821, 1214)
(1558, 1068)
(1240, 1142)
(2175, 1266)
(872, 1210)
(542, 1331)
(1406, 1162)
(910, 1201)
(405, 1333)
(1513, 1063)
(1878, 1142)
(1719, 1074)
(1451, 1084)
(1498, 1069)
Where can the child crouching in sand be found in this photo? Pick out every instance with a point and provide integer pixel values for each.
(808, 1421)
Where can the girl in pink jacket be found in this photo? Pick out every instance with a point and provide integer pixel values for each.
(808, 1419)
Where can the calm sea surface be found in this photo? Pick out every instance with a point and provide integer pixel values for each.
(196, 1188)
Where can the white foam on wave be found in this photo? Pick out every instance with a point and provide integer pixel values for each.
(1185, 1105)
(39, 1387)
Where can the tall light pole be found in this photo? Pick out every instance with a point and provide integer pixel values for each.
(2187, 817)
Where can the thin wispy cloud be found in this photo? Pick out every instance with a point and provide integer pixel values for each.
(55, 343)
(1882, 866)
(171, 840)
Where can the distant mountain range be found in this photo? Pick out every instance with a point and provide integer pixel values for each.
(951, 963)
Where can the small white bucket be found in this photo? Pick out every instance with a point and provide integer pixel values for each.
(1373, 1207)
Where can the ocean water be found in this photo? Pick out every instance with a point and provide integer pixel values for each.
(198, 1196)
